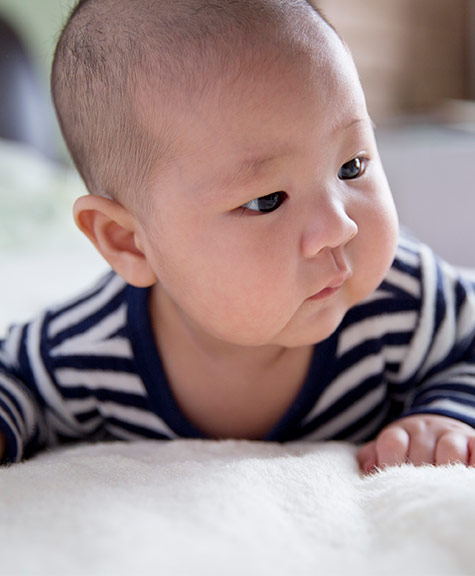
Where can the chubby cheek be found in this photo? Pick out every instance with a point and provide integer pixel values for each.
(239, 288)
(376, 243)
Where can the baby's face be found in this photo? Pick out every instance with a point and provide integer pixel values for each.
(276, 216)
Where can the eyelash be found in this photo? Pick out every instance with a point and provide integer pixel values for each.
(279, 197)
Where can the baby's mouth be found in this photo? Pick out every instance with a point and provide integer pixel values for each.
(331, 288)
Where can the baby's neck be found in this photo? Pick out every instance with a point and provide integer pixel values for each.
(227, 390)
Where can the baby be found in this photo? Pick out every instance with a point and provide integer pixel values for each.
(260, 289)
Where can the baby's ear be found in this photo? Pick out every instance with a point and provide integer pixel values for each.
(114, 231)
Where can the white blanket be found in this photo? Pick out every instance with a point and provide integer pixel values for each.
(232, 508)
(198, 508)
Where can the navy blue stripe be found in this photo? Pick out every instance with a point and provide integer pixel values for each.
(352, 429)
(93, 362)
(88, 322)
(14, 399)
(344, 402)
(376, 308)
(105, 395)
(139, 430)
(433, 396)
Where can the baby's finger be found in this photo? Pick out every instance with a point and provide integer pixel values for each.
(471, 449)
(392, 446)
(367, 457)
(452, 447)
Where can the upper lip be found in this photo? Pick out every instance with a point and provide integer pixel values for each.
(338, 280)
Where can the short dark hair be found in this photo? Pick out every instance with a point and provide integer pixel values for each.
(108, 49)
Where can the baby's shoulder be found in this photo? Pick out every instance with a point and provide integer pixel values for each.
(91, 314)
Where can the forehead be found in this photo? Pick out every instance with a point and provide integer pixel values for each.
(315, 75)
(264, 103)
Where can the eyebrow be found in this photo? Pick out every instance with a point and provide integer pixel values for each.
(248, 168)
(359, 120)
(251, 165)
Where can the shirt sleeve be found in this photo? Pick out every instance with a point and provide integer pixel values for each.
(21, 418)
(439, 369)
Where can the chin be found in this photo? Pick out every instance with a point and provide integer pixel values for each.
(320, 331)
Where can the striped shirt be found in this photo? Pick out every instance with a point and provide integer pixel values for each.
(89, 369)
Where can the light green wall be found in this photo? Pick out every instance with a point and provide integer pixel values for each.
(39, 22)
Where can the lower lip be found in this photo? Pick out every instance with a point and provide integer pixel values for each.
(326, 293)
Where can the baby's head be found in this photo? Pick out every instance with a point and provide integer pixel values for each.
(125, 69)
(230, 156)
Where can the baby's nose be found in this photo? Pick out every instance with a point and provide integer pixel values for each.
(330, 226)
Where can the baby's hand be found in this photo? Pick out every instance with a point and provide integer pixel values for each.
(420, 439)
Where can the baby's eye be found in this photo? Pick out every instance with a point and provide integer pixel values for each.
(266, 204)
(352, 169)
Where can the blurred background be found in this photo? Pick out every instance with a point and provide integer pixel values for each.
(417, 64)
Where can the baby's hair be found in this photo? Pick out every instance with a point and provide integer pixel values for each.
(121, 65)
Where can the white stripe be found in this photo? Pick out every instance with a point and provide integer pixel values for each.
(24, 426)
(433, 395)
(11, 346)
(466, 317)
(409, 256)
(28, 420)
(348, 380)
(86, 309)
(445, 337)
(43, 381)
(404, 282)
(372, 428)
(103, 281)
(468, 274)
(91, 425)
(80, 405)
(379, 294)
(116, 347)
(422, 338)
(136, 417)
(57, 426)
(375, 327)
(94, 379)
(451, 406)
(5, 359)
(408, 246)
(354, 413)
(95, 341)
(455, 374)
(395, 354)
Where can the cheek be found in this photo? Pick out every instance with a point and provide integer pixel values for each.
(234, 285)
(248, 272)
(378, 234)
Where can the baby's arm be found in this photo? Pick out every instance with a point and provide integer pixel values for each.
(433, 388)
(420, 439)
(22, 424)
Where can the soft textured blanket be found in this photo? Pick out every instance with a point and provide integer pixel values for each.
(233, 508)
